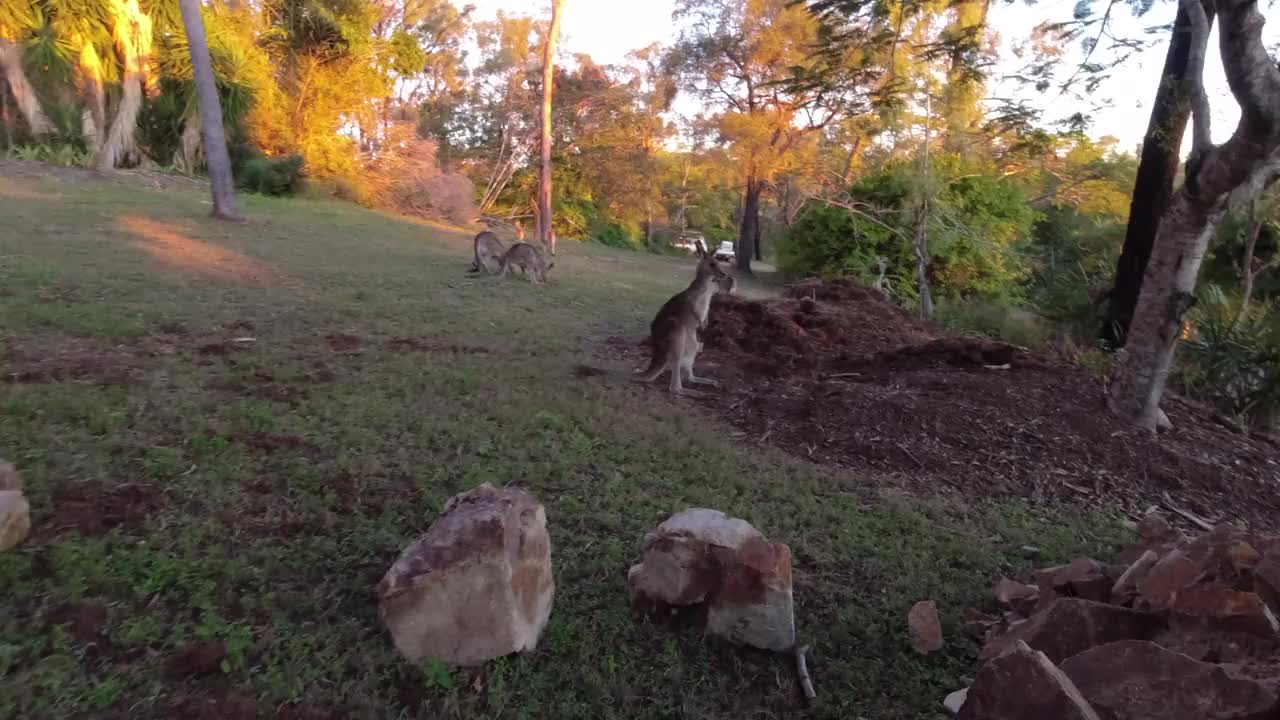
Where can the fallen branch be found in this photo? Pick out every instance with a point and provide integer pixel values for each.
(1188, 515)
(802, 670)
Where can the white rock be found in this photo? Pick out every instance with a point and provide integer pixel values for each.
(477, 585)
(701, 556)
(15, 518)
(953, 702)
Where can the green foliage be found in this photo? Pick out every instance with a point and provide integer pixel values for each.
(1233, 362)
(977, 227)
(271, 175)
(54, 154)
(995, 319)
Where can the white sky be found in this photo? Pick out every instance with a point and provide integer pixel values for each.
(608, 29)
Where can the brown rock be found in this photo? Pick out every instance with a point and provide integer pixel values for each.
(1018, 596)
(1071, 625)
(1129, 579)
(477, 585)
(1154, 533)
(1082, 578)
(1223, 610)
(1024, 685)
(925, 627)
(1173, 573)
(15, 518)
(1244, 558)
(9, 479)
(1266, 579)
(1135, 680)
(704, 559)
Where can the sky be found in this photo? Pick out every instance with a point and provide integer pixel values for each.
(608, 29)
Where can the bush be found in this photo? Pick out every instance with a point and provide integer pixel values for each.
(995, 320)
(1235, 365)
(271, 175)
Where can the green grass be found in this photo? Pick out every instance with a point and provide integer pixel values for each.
(255, 494)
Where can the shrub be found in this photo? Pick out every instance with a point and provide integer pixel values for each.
(272, 175)
(1234, 364)
(995, 320)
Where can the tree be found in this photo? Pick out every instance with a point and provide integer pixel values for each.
(131, 28)
(546, 233)
(738, 56)
(1161, 150)
(17, 20)
(214, 135)
(1216, 175)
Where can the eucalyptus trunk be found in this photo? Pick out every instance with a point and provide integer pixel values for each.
(212, 132)
(546, 234)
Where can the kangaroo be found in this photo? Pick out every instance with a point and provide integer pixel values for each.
(674, 331)
(526, 257)
(488, 253)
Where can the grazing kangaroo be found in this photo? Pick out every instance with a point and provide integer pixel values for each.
(526, 257)
(674, 331)
(488, 253)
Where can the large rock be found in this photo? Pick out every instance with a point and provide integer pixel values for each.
(704, 558)
(1082, 577)
(1135, 680)
(1266, 579)
(1023, 684)
(477, 585)
(1013, 594)
(925, 627)
(1221, 610)
(1174, 573)
(9, 479)
(15, 518)
(1070, 626)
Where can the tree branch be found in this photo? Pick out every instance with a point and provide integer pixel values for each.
(1200, 138)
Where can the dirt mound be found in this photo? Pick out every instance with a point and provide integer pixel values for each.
(802, 330)
(838, 376)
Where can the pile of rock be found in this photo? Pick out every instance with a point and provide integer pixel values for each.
(15, 512)
(1179, 628)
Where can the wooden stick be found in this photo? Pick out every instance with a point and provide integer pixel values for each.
(1188, 515)
(806, 683)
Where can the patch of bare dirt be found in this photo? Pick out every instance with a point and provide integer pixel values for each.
(836, 375)
(48, 360)
(175, 246)
(93, 511)
(203, 657)
(430, 345)
(85, 622)
(344, 343)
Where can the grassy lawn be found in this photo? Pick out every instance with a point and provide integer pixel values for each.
(190, 486)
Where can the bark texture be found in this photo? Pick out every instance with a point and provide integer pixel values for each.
(212, 132)
(1216, 175)
(546, 234)
(1153, 188)
(23, 94)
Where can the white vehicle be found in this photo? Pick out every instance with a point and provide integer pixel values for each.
(689, 242)
(725, 252)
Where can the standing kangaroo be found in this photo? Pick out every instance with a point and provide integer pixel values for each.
(674, 331)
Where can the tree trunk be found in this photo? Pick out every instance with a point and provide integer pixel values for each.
(850, 163)
(1161, 148)
(1248, 275)
(546, 235)
(1247, 162)
(95, 114)
(212, 131)
(133, 38)
(759, 244)
(921, 247)
(23, 94)
(747, 230)
(187, 158)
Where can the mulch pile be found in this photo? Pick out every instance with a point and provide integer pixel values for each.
(833, 373)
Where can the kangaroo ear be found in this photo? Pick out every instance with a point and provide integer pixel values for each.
(551, 266)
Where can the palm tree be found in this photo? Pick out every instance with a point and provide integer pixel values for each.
(131, 28)
(215, 141)
(17, 21)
